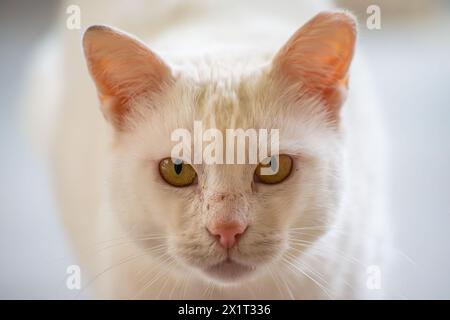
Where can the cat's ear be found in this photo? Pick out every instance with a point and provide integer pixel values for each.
(316, 59)
(123, 69)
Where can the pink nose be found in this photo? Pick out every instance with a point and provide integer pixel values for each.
(227, 233)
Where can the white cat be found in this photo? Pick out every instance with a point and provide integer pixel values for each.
(313, 233)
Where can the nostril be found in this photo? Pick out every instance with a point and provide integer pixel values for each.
(238, 235)
(227, 234)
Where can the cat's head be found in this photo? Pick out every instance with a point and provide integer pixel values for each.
(226, 221)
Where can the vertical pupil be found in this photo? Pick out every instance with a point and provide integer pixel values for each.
(178, 167)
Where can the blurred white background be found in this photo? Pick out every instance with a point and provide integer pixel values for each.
(410, 61)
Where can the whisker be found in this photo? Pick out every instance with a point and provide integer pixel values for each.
(126, 260)
(161, 290)
(143, 237)
(321, 246)
(291, 265)
(286, 285)
(185, 285)
(156, 276)
(275, 281)
(93, 248)
(319, 275)
(177, 280)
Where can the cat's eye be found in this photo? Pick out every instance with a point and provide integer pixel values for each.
(274, 169)
(177, 173)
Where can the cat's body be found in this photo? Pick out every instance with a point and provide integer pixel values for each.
(215, 45)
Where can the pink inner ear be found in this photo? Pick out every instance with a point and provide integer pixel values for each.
(318, 57)
(123, 69)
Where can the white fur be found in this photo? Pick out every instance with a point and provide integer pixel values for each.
(108, 186)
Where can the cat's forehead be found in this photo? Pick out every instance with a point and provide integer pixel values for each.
(220, 99)
(224, 103)
(230, 101)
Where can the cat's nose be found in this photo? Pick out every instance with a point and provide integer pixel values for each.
(227, 233)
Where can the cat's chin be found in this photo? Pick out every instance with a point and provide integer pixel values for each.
(229, 271)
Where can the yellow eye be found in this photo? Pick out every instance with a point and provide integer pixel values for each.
(178, 173)
(274, 169)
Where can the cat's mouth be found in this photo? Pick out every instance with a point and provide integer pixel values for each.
(229, 270)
